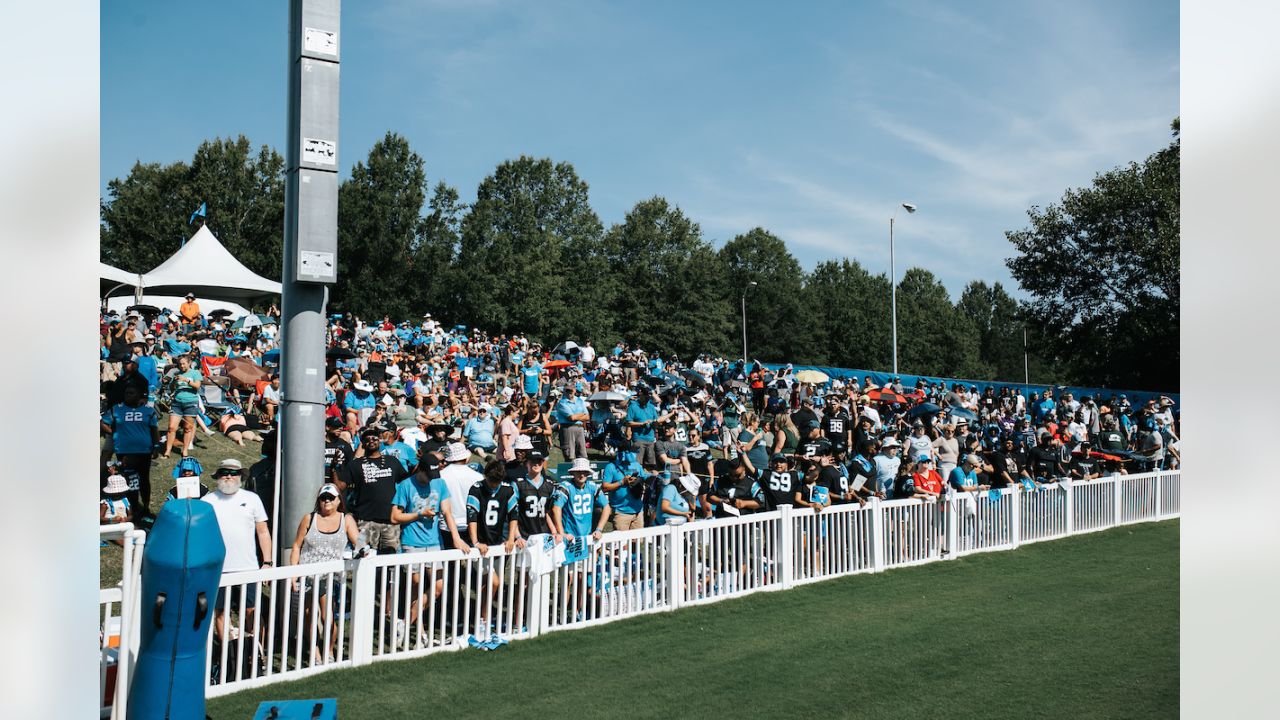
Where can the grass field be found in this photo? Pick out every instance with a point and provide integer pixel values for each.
(1085, 627)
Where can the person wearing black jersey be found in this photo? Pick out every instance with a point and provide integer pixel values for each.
(491, 520)
(515, 468)
(1044, 461)
(837, 426)
(835, 481)
(1082, 466)
(736, 489)
(337, 451)
(779, 481)
(534, 492)
(862, 472)
(1008, 464)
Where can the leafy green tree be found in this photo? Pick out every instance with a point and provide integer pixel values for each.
(849, 308)
(144, 216)
(434, 253)
(379, 215)
(1102, 270)
(530, 257)
(933, 338)
(996, 319)
(669, 296)
(777, 320)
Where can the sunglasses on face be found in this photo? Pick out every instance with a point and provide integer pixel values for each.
(327, 498)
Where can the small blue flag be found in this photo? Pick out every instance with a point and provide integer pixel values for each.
(197, 214)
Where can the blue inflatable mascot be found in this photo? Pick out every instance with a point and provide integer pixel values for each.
(180, 572)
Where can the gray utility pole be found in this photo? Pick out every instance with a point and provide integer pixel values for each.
(310, 255)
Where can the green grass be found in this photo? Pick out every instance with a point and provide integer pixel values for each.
(1085, 627)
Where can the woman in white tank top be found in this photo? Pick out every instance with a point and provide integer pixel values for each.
(323, 535)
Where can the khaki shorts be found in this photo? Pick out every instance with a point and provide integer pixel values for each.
(623, 521)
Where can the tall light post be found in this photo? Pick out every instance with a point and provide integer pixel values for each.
(893, 283)
(744, 322)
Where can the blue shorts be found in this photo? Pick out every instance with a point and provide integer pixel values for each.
(185, 409)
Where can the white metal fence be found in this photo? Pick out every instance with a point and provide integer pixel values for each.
(283, 623)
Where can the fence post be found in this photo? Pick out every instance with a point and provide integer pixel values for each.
(675, 566)
(1070, 524)
(1015, 517)
(363, 613)
(877, 535)
(1119, 501)
(954, 513)
(788, 547)
(1159, 484)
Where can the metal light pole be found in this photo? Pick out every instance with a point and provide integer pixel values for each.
(744, 323)
(310, 256)
(893, 284)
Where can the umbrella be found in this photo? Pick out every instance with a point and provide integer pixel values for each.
(246, 322)
(144, 309)
(739, 385)
(606, 396)
(923, 409)
(244, 371)
(885, 395)
(963, 413)
(564, 348)
(817, 377)
(340, 353)
(220, 312)
(693, 378)
(554, 364)
(271, 357)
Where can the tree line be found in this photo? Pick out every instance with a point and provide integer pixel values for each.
(531, 255)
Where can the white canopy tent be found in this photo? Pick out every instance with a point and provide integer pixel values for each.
(114, 280)
(204, 267)
(172, 302)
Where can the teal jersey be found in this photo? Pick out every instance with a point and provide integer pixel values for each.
(577, 506)
(413, 497)
(672, 495)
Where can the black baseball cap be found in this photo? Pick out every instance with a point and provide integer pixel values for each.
(535, 456)
(334, 422)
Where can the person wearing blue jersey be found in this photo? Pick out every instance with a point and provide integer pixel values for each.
(576, 502)
(134, 432)
(421, 505)
(624, 480)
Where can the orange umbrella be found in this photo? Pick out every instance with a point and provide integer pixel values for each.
(555, 364)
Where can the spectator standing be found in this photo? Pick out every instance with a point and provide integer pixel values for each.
(134, 433)
(114, 506)
(642, 416)
(186, 406)
(534, 492)
(947, 449)
(459, 479)
(624, 479)
(571, 415)
(242, 520)
(887, 463)
(372, 480)
(322, 536)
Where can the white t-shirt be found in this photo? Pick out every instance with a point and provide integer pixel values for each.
(207, 346)
(238, 516)
(459, 478)
(587, 353)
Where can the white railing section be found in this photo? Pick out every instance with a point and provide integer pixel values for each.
(284, 623)
(118, 631)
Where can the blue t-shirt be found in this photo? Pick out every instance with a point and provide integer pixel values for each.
(356, 400)
(412, 497)
(147, 368)
(576, 506)
(532, 378)
(886, 469)
(479, 433)
(401, 451)
(131, 428)
(672, 495)
(622, 500)
(959, 477)
(567, 407)
(646, 413)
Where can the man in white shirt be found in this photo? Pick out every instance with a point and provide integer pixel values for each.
(459, 479)
(587, 354)
(703, 367)
(243, 521)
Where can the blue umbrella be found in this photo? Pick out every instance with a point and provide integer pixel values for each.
(965, 413)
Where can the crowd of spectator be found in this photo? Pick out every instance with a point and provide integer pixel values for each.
(440, 437)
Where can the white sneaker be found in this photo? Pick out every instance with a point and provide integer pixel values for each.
(398, 634)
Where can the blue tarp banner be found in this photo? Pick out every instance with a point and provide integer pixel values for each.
(1136, 397)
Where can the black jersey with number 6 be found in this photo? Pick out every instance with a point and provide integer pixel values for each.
(491, 508)
(534, 500)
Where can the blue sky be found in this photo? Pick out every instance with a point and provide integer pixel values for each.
(813, 120)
